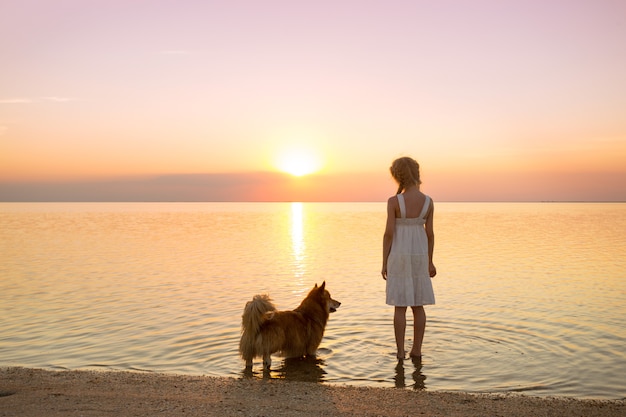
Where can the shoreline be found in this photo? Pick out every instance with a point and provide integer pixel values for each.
(30, 392)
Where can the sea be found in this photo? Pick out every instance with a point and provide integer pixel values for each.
(530, 297)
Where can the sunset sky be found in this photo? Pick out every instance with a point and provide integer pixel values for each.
(211, 100)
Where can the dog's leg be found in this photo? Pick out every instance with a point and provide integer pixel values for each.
(267, 361)
(249, 363)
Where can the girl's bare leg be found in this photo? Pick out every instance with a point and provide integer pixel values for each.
(419, 327)
(399, 327)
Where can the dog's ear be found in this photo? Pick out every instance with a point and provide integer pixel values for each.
(322, 286)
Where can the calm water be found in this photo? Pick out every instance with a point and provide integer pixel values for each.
(530, 297)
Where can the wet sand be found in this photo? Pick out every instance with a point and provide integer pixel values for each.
(34, 392)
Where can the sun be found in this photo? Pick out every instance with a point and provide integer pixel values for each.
(298, 161)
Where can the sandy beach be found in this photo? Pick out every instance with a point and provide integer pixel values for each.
(35, 392)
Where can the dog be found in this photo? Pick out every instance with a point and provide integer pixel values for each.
(293, 333)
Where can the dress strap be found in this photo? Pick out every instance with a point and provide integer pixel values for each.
(425, 208)
(402, 205)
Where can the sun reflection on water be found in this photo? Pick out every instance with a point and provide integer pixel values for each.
(297, 242)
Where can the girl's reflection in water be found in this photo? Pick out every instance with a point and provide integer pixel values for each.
(418, 378)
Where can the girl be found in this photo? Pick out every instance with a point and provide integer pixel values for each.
(408, 245)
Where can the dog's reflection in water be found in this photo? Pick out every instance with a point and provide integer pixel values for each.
(418, 378)
(307, 369)
(304, 369)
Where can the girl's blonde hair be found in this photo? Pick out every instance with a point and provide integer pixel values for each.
(406, 171)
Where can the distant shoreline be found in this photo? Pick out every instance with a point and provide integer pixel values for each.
(279, 187)
(312, 202)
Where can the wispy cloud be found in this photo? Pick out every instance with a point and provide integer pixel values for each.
(29, 100)
(15, 100)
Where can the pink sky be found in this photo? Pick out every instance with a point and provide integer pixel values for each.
(499, 101)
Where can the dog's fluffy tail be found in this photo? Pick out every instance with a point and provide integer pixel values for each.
(254, 314)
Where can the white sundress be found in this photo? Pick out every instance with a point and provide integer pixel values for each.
(408, 277)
